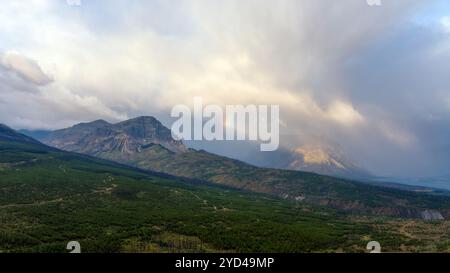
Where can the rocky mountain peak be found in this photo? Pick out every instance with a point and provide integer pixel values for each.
(316, 155)
(325, 160)
(146, 128)
(93, 124)
(130, 136)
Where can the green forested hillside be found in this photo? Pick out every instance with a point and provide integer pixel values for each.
(346, 195)
(49, 197)
(146, 144)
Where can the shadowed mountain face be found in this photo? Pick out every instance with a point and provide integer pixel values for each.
(8, 134)
(144, 143)
(127, 137)
(36, 134)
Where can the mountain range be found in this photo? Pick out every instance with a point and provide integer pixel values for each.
(146, 144)
(49, 197)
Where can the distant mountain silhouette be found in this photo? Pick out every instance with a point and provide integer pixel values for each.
(8, 134)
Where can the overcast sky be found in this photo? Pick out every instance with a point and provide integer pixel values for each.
(375, 80)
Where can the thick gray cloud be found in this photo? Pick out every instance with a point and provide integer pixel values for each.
(401, 81)
(373, 79)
